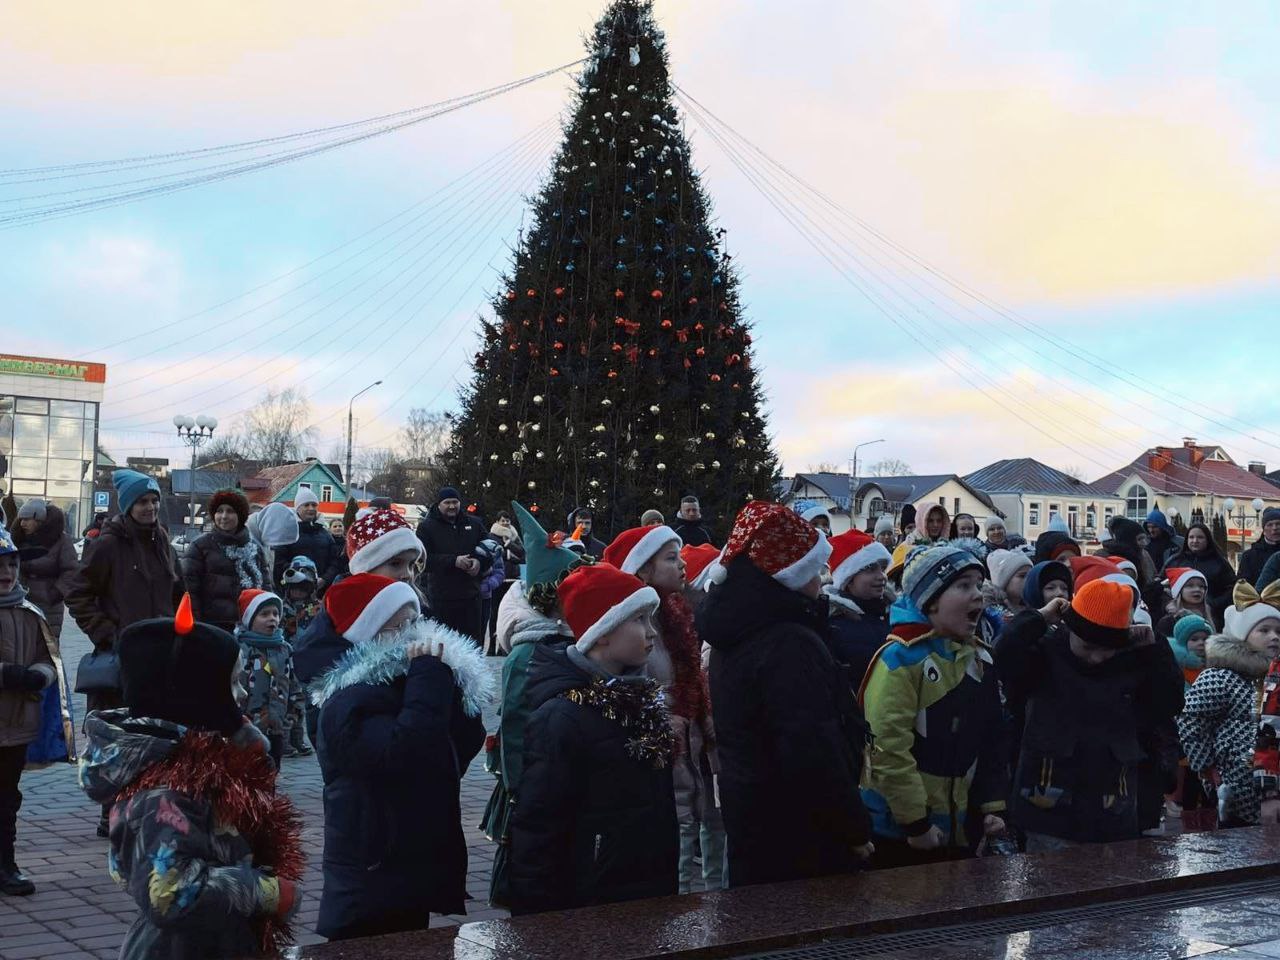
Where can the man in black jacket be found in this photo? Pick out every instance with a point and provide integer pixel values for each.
(583, 517)
(1255, 558)
(689, 523)
(314, 541)
(452, 578)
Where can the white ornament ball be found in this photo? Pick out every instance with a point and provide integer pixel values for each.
(715, 464)
(493, 456)
(502, 401)
(710, 435)
(662, 467)
(536, 427)
(655, 409)
(537, 398)
(659, 437)
(502, 428)
(600, 428)
(533, 485)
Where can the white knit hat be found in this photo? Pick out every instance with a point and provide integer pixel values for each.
(1004, 565)
(303, 497)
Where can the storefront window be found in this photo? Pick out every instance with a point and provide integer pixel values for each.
(49, 446)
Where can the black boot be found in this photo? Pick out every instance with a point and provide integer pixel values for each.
(13, 882)
(104, 823)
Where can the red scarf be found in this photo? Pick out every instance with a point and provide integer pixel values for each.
(239, 783)
(689, 696)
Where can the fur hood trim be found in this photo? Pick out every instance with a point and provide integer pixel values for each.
(1227, 653)
(382, 661)
(839, 602)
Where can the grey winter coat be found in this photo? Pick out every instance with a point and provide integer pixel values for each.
(1219, 723)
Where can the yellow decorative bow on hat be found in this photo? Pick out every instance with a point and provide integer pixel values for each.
(1244, 595)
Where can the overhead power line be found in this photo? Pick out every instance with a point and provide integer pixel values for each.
(279, 150)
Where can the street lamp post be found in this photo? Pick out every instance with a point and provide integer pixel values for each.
(1229, 504)
(853, 474)
(347, 475)
(194, 433)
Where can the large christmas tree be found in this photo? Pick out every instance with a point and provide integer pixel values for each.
(617, 372)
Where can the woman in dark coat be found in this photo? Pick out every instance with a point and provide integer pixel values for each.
(47, 577)
(223, 562)
(1129, 540)
(398, 726)
(789, 733)
(1200, 552)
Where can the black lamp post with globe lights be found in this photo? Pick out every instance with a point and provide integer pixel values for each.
(194, 432)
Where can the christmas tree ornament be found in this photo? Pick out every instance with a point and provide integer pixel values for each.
(655, 409)
(661, 467)
(715, 464)
(532, 484)
(537, 398)
(502, 428)
(659, 437)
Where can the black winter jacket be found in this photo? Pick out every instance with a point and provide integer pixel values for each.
(858, 629)
(692, 533)
(216, 568)
(789, 734)
(48, 578)
(131, 573)
(1079, 769)
(444, 542)
(593, 824)
(314, 652)
(314, 541)
(393, 745)
(1255, 558)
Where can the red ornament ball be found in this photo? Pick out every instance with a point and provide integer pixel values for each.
(715, 378)
(618, 294)
(656, 294)
(665, 324)
(531, 292)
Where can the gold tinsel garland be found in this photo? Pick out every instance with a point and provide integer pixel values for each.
(637, 706)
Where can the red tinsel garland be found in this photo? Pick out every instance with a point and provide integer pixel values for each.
(240, 785)
(689, 696)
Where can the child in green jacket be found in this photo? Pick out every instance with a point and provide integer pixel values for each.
(534, 606)
(936, 768)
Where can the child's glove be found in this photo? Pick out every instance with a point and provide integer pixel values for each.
(14, 676)
(931, 839)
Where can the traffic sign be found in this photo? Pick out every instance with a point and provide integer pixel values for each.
(101, 501)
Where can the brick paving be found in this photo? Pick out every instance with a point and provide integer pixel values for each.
(77, 912)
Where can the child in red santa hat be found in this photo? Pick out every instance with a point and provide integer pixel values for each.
(596, 821)
(654, 555)
(399, 723)
(788, 732)
(860, 595)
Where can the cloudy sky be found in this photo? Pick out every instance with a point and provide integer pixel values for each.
(1102, 179)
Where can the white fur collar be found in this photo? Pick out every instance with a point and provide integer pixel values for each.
(379, 662)
(838, 599)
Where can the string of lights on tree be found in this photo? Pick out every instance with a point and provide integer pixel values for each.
(617, 371)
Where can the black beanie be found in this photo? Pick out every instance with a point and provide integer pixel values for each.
(182, 678)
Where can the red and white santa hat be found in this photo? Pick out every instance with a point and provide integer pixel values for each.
(251, 601)
(698, 563)
(778, 542)
(377, 537)
(599, 598)
(632, 549)
(1179, 577)
(361, 605)
(853, 552)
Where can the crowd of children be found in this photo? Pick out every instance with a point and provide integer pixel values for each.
(793, 705)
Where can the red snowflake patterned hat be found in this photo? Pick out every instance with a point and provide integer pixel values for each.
(377, 537)
(778, 542)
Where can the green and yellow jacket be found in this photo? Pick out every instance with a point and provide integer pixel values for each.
(937, 755)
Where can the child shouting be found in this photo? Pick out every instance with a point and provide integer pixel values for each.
(1219, 724)
(1091, 689)
(596, 820)
(937, 771)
